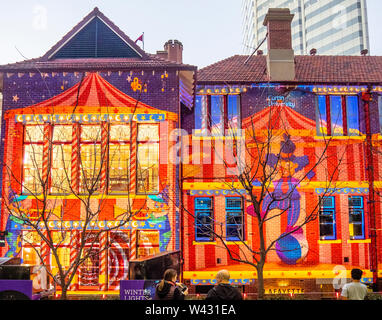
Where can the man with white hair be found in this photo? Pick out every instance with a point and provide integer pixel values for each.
(223, 291)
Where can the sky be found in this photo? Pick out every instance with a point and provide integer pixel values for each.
(210, 30)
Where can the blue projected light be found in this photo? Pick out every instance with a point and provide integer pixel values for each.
(352, 115)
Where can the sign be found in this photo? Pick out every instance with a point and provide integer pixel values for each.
(284, 290)
(137, 289)
(276, 100)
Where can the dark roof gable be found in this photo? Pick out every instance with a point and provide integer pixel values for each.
(95, 40)
(95, 43)
(95, 37)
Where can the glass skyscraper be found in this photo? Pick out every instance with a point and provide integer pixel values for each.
(333, 27)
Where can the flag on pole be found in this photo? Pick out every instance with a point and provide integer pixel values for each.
(141, 38)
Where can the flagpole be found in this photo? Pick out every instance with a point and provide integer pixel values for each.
(143, 41)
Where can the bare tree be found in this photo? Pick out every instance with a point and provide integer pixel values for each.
(265, 173)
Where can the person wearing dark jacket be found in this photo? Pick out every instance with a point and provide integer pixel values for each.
(168, 289)
(223, 291)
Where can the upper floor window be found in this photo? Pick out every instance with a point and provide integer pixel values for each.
(380, 112)
(33, 159)
(327, 218)
(119, 158)
(204, 223)
(217, 114)
(61, 159)
(148, 158)
(356, 218)
(90, 155)
(337, 115)
(234, 219)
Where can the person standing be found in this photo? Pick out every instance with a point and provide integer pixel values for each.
(168, 289)
(354, 290)
(223, 291)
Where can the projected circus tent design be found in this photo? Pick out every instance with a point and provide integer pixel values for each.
(91, 100)
(292, 247)
(95, 102)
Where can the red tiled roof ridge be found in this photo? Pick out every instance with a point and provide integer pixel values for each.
(221, 61)
(318, 68)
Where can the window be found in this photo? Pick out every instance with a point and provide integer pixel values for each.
(217, 114)
(337, 115)
(234, 119)
(356, 218)
(62, 242)
(118, 256)
(327, 219)
(201, 115)
(30, 247)
(89, 269)
(234, 219)
(352, 114)
(33, 159)
(61, 159)
(147, 243)
(148, 159)
(90, 163)
(380, 112)
(204, 225)
(119, 158)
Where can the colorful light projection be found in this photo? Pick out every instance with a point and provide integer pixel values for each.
(291, 246)
(89, 118)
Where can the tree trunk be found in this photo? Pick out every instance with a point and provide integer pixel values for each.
(64, 289)
(260, 281)
(261, 263)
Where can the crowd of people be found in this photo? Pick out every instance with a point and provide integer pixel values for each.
(169, 289)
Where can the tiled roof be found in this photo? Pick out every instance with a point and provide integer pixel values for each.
(93, 64)
(309, 69)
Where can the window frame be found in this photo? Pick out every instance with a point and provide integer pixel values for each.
(361, 209)
(60, 143)
(29, 143)
(127, 142)
(145, 142)
(380, 112)
(328, 210)
(327, 118)
(206, 111)
(98, 142)
(235, 211)
(205, 211)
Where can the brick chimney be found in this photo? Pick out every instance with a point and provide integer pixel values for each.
(173, 51)
(280, 57)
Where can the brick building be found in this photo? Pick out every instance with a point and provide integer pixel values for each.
(311, 105)
(97, 93)
(93, 115)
